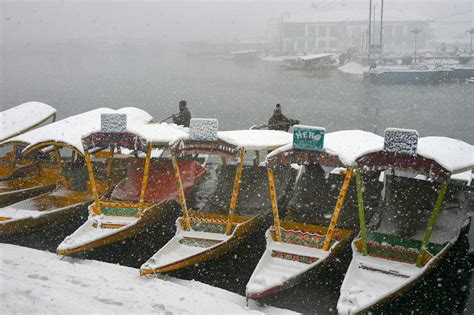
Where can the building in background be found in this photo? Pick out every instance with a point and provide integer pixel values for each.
(326, 31)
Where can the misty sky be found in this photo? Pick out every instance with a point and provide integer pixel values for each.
(36, 21)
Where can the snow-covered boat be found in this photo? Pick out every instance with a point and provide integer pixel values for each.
(146, 194)
(413, 236)
(71, 194)
(15, 121)
(305, 240)
(216, 228)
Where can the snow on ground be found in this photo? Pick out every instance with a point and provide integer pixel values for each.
(39, 282)
(354, 68)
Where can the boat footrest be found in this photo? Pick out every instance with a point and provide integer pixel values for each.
(198, 242)
(294, 257)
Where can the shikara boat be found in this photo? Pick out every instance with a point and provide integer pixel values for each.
(146, 194)
(399, 251)
(15, 121)
(215, 228)
(72, 192)
(305, 240)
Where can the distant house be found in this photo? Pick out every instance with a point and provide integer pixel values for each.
(318, 32)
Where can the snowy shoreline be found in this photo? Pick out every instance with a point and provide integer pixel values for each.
(33, 281)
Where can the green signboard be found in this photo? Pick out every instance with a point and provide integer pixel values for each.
(308, 138)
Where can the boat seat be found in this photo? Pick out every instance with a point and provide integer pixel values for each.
(397, 248)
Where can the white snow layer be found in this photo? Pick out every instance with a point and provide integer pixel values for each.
(160, 134)
(456, 156)
(348, 145)
(71, 130)
(22, 117)
(41, 282)
(354, 68)
(256, 139)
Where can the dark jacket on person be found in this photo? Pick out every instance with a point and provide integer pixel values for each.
(183, 118)
(280, 122)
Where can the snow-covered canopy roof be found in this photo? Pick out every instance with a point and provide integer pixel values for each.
(23, 117)
(346, 145)
(256, 139)
(69, 131)
(440, 156)
(454, 155)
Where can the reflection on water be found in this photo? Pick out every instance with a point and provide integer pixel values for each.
(239, 94)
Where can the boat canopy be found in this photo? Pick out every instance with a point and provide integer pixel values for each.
(340, 149)
(69, 131)
(256, 140)
(24, 117)
(436, 156)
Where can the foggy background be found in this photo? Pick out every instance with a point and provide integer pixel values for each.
(38, 22)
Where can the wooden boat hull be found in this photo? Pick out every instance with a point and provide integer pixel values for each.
(150, 216)
(10, 197)
(244, 228)
(285, 264)
(392, 279)
(48, 220)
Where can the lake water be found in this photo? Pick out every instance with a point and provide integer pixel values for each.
(155, 78)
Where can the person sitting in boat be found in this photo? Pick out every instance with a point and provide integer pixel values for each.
(279, 121)
(184, 115)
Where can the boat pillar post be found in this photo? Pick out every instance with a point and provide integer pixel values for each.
(182, 198)
(432, 222)
(223, 160)
(360, 202)
(273, 196)
(235, 191)
(90, 170)
(146, 171)
(337, 209)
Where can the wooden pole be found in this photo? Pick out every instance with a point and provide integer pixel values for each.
(145, 176)
(90, 170)
(337, 210)
(235, 192)
(182, 197)
(431, 223)
(360, 201)
(57, 155)
(273, 196)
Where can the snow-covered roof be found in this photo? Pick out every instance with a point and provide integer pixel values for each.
(18, 119)
(347, 145)
(454, 155)
(160, 134)
(71, 130)
(256, 139)
(314, 56)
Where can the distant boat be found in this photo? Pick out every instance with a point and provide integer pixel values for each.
(308, 62)
(410, 75)
(243, 55)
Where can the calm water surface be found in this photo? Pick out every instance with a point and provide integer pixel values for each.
(76, 79)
